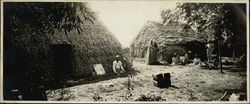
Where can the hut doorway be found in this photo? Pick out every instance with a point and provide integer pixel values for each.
(62, 61)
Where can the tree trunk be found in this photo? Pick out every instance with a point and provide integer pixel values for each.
(219, 52)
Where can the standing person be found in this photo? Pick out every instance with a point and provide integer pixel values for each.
(117, 66)
(189, 57)
(151, 56)
(209, 50)
(242, 61)
(186, 58)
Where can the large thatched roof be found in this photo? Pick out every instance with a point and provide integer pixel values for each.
(172, 33)
(93, 44)
(173, 37)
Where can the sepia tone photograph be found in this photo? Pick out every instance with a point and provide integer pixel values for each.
(125, 51)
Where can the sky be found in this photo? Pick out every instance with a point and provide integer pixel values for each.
(125, 18)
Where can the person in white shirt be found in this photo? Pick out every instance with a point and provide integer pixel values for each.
(209, 50)
(117, 66)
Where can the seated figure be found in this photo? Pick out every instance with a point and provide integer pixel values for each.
(117, 66)
(197, 61)
(176, 59)
(184, 59)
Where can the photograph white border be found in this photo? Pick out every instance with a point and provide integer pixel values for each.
(179, 102)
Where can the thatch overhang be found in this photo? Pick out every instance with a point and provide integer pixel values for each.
(171, 34)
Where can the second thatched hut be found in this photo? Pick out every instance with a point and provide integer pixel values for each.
(174, 37)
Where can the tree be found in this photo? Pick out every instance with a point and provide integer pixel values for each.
(212, 22)
(44, 17)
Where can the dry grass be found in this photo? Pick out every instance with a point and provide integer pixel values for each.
(190, 83)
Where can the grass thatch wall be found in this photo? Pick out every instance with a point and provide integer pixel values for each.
(94, 44)
(173, 37)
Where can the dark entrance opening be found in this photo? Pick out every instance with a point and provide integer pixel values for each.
(62, 61)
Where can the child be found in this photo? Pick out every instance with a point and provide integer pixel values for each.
(197, 61)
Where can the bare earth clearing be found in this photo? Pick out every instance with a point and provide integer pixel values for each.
(191, 83)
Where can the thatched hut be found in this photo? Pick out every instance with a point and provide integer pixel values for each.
(60, 55)
(174, 37)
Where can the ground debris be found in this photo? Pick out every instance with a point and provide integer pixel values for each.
(97, 97)
(150, 97)
(65, 95)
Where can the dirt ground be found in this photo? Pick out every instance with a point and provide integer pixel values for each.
(190, 83)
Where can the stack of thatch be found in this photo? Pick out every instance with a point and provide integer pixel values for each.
(173, 37)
